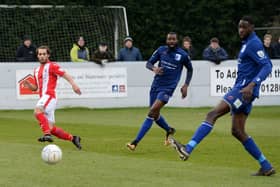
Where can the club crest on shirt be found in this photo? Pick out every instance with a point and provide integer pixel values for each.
(261, 53)
(178, 57)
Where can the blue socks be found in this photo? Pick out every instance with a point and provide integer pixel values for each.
(253, 149)
(204, 129)
(147, 124)
(162, 123)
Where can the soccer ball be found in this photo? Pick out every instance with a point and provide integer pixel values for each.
(51, 154)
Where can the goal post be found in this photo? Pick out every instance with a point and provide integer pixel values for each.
(60, 26)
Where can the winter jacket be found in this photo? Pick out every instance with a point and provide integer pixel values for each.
(79, 54)
(26, 54)
(99, 57)
(130, 54)
(215, 55)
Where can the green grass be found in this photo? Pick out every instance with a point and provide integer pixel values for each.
(219, 160)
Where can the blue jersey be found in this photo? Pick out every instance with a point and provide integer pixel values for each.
(172, 62)
(254, 64)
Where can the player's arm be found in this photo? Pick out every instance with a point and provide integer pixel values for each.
(30, 86)
(258, 54)
(75, 87)
(184, 88)
(150, 63)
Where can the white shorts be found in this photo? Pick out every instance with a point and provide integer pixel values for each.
(48, 103)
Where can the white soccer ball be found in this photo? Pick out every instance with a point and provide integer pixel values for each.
(51, 154)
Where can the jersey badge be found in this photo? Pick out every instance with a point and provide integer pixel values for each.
(178, 57)
(261, 53)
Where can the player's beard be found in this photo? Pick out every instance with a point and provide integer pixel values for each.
(43, 61)
(172, 46)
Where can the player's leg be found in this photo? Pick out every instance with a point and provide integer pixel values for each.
(39, 113)
(203, 130)
(238, 131)
(160, 121)
(57, 131)
(147, 124)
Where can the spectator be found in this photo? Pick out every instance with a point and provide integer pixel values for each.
(102, 54)
(79, 52)
(187, 46)
(267, 45)
(214, 52)
(129, 52)
(276, 49)
(27, 51)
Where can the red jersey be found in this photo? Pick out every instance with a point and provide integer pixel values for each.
(46, 78)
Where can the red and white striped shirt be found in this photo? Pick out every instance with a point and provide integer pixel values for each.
(46, 78)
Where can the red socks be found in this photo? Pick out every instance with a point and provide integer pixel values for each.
(56, 131)
(60, 133)
(43, 123)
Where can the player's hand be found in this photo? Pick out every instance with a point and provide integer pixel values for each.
(247, 92)
(158, 70)
(76, 89)
(184, 91)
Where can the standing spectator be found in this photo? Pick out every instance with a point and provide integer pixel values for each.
(187, 46)
(276, 49)
(214, 52)
(102, 54)
(129, 52)
(267, 45)
(79, 52)
(27, 51)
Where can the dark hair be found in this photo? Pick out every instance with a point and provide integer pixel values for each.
(44, 47)
(249, 19)
(214, 39)
(26, 37)
(172, 33)
(187, 39)
(80, 38)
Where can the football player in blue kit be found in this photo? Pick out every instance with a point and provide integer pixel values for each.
(254, 66)
(171, 60)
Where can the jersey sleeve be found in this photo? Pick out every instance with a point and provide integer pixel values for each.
(187, 63)
(258, 55)
(153, 59)
(57, 70)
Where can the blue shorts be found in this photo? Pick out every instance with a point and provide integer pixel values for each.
(159, 95)
(237, 104)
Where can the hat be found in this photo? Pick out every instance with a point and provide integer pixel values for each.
(128, 38)
(26, 37)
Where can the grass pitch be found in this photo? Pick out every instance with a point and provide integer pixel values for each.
(219, 160)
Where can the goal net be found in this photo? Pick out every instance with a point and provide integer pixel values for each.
(59, 27)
